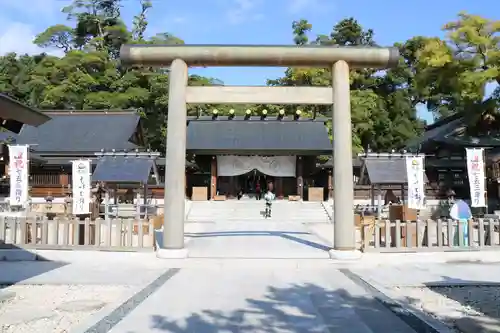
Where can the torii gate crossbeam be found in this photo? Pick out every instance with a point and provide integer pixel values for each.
(180, 57)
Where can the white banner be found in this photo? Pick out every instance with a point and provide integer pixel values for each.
(81, 187)
(18, 170)
(475, 171)
(276, 166)
(415, 169)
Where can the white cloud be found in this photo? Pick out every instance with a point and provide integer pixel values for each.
(18, 37)
(298, 6)
(45, 9)
(179, 19)
(244, 11)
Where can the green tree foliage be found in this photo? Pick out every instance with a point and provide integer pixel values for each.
(382, 103)
(456, 70)
(447, 75)
(89, 76)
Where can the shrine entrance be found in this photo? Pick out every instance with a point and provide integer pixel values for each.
(339, 60)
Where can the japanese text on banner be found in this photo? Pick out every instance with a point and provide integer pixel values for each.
(81, 187)
(18, 167)
(416, 187)
(475, 172)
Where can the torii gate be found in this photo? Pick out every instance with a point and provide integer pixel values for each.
(338, 59)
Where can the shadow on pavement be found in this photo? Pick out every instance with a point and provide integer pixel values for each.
(299, 308)
(18, 264)
(289, 235)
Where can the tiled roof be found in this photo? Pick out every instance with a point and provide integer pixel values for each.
(387, 170)
(72, 132)
(273, 136)
(123, 169)
(15, 114)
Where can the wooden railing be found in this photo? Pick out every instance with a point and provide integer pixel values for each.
(50, 183)
(430, 235)
(114, 234)
(45, 179)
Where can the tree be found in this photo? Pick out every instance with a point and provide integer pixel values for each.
(382, 103)
(89, 75)
(458, 69)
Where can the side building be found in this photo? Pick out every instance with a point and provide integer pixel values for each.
(227, 155)
(15, 116)
(69, 136)
(231, 156)
(444, 143)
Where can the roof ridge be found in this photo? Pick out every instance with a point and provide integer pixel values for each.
(90, 112)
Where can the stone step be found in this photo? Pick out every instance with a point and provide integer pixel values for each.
(233, 211)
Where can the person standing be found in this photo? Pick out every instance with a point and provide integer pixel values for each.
(269, 197)
(258, 190)
(270, 186)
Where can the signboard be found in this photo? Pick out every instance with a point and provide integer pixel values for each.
(475, 171)
(416, 187)
(81, 187)
(18, 169)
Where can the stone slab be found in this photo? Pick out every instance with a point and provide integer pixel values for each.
(257, 239)
(100, 272)
(345, 255)
(17, 255)
(431, 274)
(260, 300)
(81, 305)
(172, 253)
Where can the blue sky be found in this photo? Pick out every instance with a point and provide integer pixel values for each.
(251, 22)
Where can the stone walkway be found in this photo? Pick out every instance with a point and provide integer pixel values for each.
(257, 239)
(228, 300)
(251, 277)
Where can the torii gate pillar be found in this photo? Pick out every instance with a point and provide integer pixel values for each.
(338, 59)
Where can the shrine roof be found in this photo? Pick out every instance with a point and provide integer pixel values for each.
(386, 170)
(81, 132)
(452, 131)
(122, 169)
(257, 136)
(356, 162)
(15, 114)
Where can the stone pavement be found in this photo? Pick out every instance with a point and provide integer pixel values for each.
(432, 274)
(253, 276)
(228, 300)
(257, 239)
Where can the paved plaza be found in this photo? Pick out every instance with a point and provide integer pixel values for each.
(248, 276)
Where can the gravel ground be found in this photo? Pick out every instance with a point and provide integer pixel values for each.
(55, 308)
(450, 303)
(482, 299)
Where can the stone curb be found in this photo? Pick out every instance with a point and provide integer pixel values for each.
(401, 308)
(109, 316)
(90, 321)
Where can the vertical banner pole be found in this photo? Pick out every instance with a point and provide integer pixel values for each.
(81, 171)
(476, 168)
(19, 174)
(485, 183)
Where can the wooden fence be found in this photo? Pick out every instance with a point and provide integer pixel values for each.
(430, 236)
(75, 234)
